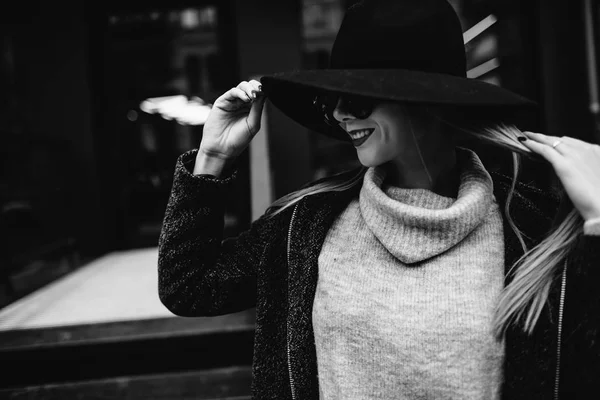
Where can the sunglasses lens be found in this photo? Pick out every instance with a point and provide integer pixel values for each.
(360, 107)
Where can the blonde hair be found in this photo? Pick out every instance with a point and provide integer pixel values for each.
(523, 299)
(335, 183)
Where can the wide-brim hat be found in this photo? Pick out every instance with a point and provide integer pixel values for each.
(408, 51)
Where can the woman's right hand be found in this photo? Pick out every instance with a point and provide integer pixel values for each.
(232, 123)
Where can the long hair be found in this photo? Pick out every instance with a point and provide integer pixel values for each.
(335, 183)
(522, 301)
(524, 298)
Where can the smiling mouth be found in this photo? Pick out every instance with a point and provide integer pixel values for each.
(359, 136)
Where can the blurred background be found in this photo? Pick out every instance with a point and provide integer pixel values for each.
(98, 100)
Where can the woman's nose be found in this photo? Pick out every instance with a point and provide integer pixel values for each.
(340, 114)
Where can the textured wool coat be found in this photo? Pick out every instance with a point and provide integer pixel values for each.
(273, 267)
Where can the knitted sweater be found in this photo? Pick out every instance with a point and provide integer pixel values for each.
(408, 283)
(273, 266)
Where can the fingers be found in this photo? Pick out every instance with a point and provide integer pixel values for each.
(575, 143)
(232, 99)
(542, 145)
(538, 137)
(558, 144)
(255, 114)
(566, 143)
(252, 91)
(252, 88)
(245, 92)
(552, 147)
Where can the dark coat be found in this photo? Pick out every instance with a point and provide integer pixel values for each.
(273, 267)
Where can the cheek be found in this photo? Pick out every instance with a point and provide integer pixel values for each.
(381, 135)
(382, 149)
(388, 142)
(398, 140)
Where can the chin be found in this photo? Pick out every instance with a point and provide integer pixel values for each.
(367, 160)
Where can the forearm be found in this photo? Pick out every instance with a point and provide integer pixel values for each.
(197, 274)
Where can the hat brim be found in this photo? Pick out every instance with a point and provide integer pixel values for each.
(293, 92)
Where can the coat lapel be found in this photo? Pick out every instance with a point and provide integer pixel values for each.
(313, 218)
(530, 210)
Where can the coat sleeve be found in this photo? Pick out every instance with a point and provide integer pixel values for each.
(199, 273)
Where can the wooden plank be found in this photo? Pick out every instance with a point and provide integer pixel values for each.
(232, 383)
(98, 358)
(110, 332)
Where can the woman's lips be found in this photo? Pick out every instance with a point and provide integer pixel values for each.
(359, 136)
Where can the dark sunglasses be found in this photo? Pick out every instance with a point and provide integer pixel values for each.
(358, 106)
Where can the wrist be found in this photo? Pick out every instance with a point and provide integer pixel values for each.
(210, 164)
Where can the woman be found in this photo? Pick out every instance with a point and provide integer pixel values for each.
(389, 281)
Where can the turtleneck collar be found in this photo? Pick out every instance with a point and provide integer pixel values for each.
(417, 224)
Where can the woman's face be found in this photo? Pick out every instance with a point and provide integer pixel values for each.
(386, 134)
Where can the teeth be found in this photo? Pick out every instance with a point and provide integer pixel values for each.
(355, 135)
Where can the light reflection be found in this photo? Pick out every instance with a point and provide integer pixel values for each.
(479, 28)
(193, 111)
(483, 68)
(190, 18)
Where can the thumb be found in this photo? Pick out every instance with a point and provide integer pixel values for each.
(255, 114)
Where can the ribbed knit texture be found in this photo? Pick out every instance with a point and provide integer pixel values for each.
(408, 282)
(592, 227)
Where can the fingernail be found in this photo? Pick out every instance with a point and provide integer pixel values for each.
(259, 87)
(521, 138)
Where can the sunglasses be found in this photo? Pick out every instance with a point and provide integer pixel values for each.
(358, 106)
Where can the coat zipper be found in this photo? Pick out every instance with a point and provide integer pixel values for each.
(561, 310)
(288, 320)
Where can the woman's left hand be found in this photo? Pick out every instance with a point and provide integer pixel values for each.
(577, 164)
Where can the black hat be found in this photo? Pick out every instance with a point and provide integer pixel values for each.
(394, 50)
